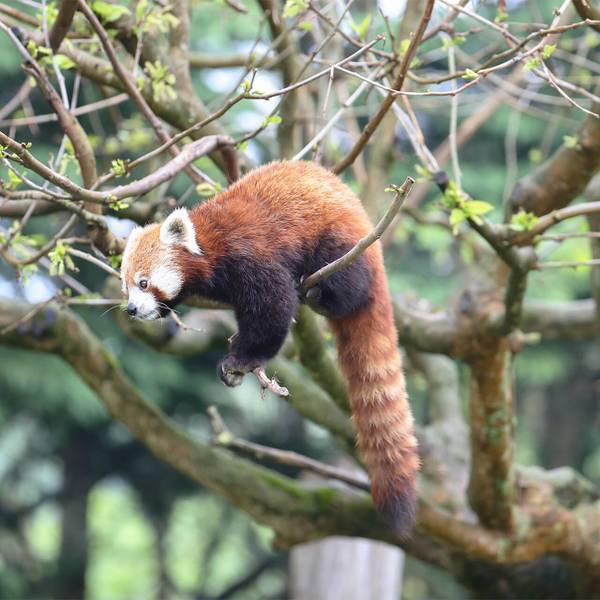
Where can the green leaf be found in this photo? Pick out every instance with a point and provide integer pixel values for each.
(476, 207)
(305, 26)
(571, 141)
(403, 47)
(294, 7)
(362, 27)
(449, 42)
(535, 155)
(470, 74)
(64, 62)
(272, 120)
(51, 14)
(422, 172)
(116, 204)
(162, 81)
(13, 180)
(115, 260)
(457, 216)
(60, 259)
(140, 10)
(532, 63)
(452, 197)
(109, 12)
(119, 167)
(501, 16)
(523, 221)
(208, 189)
(548, 50)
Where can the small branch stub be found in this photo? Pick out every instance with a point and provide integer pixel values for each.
(266, 383)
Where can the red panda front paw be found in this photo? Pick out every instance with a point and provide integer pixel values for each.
(231, 371)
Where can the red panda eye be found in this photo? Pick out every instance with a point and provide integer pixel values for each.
(143, 284)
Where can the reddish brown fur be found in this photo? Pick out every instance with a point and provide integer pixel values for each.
(280, 209)
(369, 357)
(289, 203)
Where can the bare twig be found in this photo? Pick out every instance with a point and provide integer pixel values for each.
(142, 186)
(556, 216)
(95, 261)
(80, 110)
(224, 437)
(36, 310)
(389, 99)
(571, 264)
(133, 91)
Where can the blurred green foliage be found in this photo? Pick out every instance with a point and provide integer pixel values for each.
(151, 532)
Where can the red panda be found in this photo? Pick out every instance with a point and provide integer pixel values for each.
(251, 246)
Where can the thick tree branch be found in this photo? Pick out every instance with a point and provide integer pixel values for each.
(269, 497)
(315, 358)
(564, 176)
(492, 482)
(588, 11)
(295, 513)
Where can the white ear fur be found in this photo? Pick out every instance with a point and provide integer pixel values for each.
(178, 230)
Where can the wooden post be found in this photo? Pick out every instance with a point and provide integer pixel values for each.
(348, 568)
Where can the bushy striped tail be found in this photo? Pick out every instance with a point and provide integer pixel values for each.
(370, 360)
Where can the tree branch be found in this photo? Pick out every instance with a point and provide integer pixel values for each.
(350, 256)
(492, 482)
(376, 119)
(223, 437)
(563, 177)
(315, 358)
(298, 514)
(190, 153)
(588, 11)
(62, 23)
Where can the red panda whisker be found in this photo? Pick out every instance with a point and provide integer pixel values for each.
(111, 308)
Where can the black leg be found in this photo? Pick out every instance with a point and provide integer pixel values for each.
(343, 292)
(264, 309)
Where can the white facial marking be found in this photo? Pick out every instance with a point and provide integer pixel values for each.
(145, 303)
(132, 243)
(168, 279)
(178, 230)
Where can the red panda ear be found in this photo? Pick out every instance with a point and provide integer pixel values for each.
(178, 230)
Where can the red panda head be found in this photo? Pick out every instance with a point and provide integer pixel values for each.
(150, 273)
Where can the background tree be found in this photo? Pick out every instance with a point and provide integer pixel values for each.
(115, 113)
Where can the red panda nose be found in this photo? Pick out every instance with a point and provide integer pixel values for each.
(131, 310)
